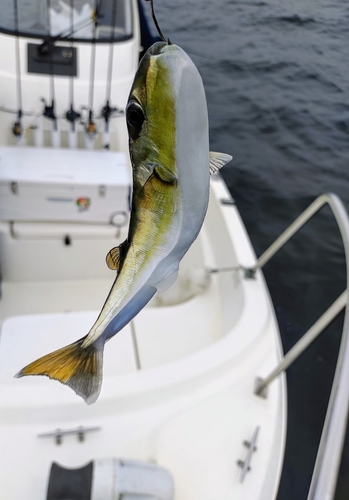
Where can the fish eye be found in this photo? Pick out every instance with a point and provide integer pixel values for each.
(135, 118)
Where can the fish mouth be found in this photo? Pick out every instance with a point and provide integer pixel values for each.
(157, 48)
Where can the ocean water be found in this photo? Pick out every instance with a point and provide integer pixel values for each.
(276, 74)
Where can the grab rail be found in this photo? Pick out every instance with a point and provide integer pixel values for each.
(328, 458)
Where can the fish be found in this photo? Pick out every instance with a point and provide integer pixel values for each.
(167, 123)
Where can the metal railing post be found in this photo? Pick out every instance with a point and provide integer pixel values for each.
(328, 458)
(293, 228)
(303, 343)
(325, 474)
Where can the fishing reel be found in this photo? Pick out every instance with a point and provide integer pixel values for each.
(108, 112)
(72, 115)
(17, 128)
(91, 126)
(49, 111)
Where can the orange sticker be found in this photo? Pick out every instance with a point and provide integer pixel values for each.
(83, 204)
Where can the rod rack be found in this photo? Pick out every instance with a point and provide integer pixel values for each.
(324, 479)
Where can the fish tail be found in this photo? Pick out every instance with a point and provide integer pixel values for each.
(78, 367)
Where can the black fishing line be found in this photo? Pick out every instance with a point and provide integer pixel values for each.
(162, 36)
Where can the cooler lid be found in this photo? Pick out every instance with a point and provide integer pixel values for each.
(63, 166)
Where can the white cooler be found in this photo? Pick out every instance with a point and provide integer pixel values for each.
(73, 185)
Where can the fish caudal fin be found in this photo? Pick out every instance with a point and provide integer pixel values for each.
(78, 367)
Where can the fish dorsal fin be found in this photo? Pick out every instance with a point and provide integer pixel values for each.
(218, 160)
(115, 256)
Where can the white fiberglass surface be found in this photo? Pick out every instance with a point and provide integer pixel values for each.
(39, 334)
(175, 342)
(189, 407)
(197, 434)
(66, 167)
(196, 314)
(30, 257)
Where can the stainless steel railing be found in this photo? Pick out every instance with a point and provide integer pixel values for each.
(328, 458)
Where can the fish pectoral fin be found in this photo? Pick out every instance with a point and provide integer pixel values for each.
(164, 174)
(218, 160)
(78, 367)
(167, 282)
(116, 255)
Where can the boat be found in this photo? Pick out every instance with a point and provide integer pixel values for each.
(187, 408)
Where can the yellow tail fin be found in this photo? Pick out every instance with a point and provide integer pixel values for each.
(78, 367)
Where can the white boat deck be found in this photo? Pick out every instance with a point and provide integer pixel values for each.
(177, 331)
(183, 397)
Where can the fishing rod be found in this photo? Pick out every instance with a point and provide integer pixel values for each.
(17, 128)
(72, 115)
(111, 51)
(49, 110)
(91, 127)
(107, 110)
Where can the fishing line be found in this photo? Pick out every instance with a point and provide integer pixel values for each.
(162, 36)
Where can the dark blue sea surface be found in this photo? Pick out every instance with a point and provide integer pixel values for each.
(276, 74)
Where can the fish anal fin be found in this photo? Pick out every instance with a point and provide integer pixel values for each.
(218, 160)
(78, 367)
(164, 174)
(116, 255)
(167, 282)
